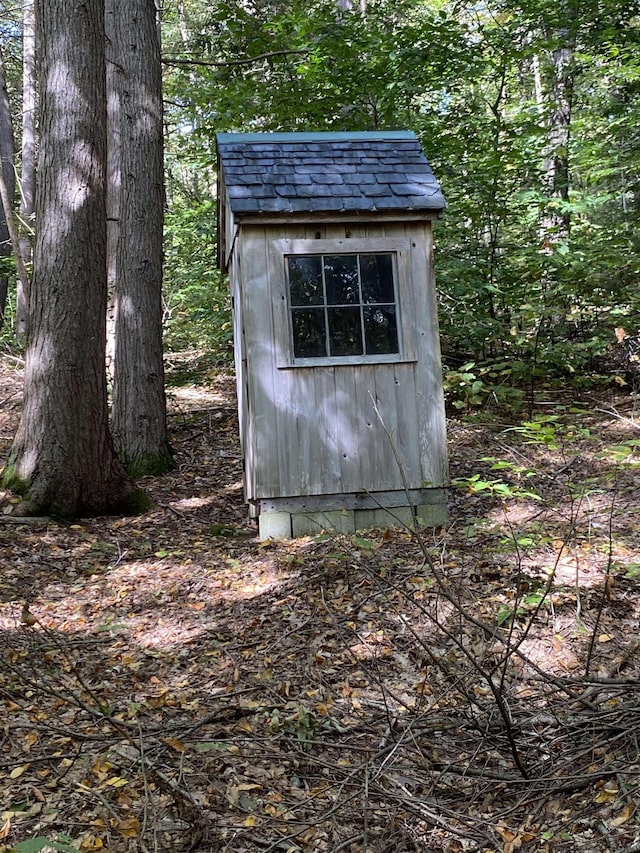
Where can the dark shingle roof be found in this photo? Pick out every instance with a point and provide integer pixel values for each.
(281, 173)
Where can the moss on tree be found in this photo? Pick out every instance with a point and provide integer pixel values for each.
(150, 465)
(13, 482)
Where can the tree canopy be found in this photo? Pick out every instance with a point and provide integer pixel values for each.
(528, 112)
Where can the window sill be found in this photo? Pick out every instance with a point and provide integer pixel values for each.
(347, 361)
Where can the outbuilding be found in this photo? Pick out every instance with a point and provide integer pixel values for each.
(327, 238)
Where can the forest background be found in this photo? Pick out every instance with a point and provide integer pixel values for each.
(527, 111)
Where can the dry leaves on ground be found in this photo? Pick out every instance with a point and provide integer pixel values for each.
(170, 683)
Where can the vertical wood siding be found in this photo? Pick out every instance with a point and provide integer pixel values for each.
(314, 430)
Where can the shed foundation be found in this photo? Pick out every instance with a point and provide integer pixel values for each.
(286, 525)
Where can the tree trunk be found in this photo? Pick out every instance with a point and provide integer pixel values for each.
(114, 85)
(28, 173)
(9, 175)
(62, 460)
(139, 408)
(556, 175)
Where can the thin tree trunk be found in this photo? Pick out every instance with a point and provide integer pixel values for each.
(114, 84)
(28, 175)
(62, 460)
(7, 184)
(139, 407)
(556, 176)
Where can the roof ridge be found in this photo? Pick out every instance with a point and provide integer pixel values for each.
(321, 135)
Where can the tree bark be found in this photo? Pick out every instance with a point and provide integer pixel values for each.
(139, 407)
(28, 172)
(9, 180)
(62, 460)
(114, 74)
(556, 175)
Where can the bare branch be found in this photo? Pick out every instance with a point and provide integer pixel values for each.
(176, 61)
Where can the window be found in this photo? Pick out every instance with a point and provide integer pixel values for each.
(343, 305)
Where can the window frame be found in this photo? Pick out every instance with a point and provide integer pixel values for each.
(399, 249)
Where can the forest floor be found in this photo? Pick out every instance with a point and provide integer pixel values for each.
(174, 684)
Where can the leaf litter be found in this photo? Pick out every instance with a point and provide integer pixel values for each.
(167, 682)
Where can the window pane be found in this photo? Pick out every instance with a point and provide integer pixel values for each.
(377, 278)
(345, 331)
(305, 280)
(309, 335)
(341, 277)
(380, 329)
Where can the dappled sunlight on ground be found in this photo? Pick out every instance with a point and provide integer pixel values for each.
(160, 603)
(176, 684)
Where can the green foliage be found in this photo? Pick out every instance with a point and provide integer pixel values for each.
(476, 484)
(532, 276)
(150, 465)
(464, 386)
(198, 312)
(528, 603)
(627, 454)
(41, 842)
(549, 430)
(12, 482)
(632, 571)
(137, 503)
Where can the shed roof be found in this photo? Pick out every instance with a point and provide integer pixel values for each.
(284, 173)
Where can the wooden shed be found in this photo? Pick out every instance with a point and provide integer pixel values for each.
(327, 238)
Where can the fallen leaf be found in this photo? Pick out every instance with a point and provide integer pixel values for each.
(624, 815)
(129, 828)
(31, 739)
(18, 771)
(606, 795)
(91, 842)
(174, 743)
(5, 829)
(116, 782)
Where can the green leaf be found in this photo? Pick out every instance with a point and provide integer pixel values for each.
(504, 614)
(367, 544)
(34, 845)
(212, 746)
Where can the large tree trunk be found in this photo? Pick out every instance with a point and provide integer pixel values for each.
(139, 409)
(62, 459)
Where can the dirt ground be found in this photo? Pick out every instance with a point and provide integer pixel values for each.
(167, 682)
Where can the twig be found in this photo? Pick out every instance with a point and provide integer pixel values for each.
(93, 792)
(148, 798)
(248, 60)
(605, 591)
(612, 412)
(31, 520)
(295, 630)
(348, 841)
(72, 665)
(7, 204)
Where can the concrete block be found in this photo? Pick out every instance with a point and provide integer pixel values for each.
(397, 516)
(313, 523)
(432, 515)
(274, 525)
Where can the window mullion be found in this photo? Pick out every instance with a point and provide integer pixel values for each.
(325, 309)
(361, 307)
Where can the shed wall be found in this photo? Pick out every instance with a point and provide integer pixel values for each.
(315, 430)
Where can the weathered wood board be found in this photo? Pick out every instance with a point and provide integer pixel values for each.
(335, 441)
